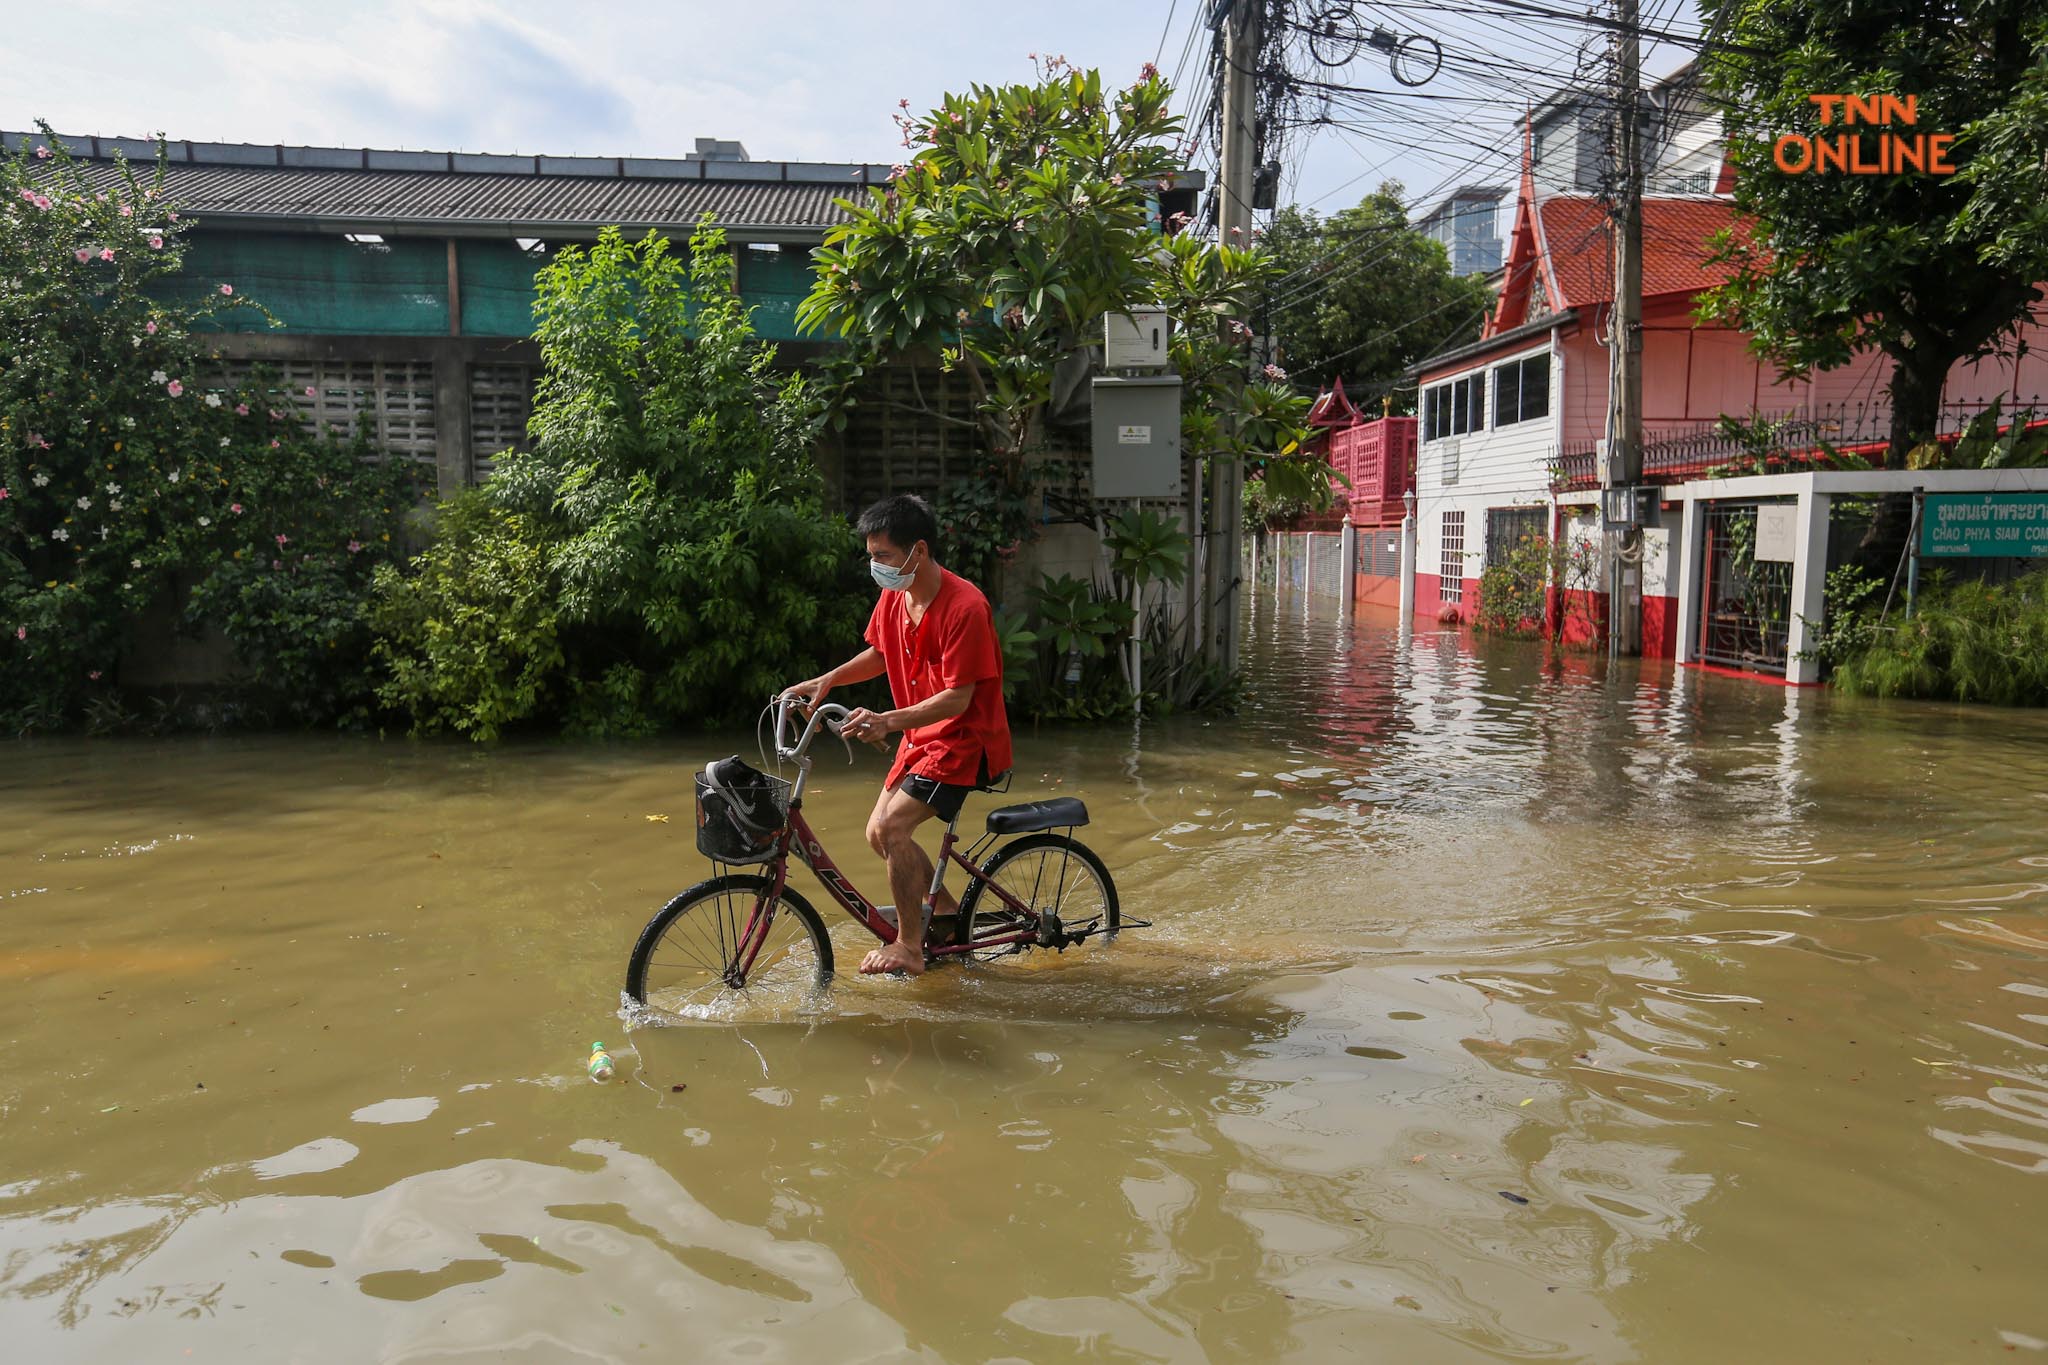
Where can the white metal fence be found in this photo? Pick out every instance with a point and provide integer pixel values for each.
(1297, 561)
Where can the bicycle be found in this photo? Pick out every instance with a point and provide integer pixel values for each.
(1029, 882)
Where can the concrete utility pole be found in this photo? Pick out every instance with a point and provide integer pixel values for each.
(1625, 337)
(1239, 154)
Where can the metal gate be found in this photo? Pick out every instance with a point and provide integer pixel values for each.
(1745, 603)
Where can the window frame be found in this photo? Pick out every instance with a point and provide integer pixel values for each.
(1532, 402)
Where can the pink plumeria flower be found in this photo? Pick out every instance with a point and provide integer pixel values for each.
(174, 388)
(156, 243)
(227, 289)
(236, 508)
(149, 327)
(284, 540)
(106, 253)
(241, 409)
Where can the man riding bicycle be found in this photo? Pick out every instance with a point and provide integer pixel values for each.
(932, 632)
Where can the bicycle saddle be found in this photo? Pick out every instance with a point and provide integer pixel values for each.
(1057, 813)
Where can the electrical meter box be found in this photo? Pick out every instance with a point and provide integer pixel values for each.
(1135, 340)
(1136, 428)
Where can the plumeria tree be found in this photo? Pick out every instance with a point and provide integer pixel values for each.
(133, 481)
(1027, 214)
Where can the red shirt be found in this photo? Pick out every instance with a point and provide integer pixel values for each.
(953, 644)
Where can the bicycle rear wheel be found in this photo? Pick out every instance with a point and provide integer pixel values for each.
(690, 951)
(1047, 874)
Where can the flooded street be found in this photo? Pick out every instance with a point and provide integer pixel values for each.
(1492, 1010)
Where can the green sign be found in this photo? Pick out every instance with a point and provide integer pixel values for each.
(1984, 526)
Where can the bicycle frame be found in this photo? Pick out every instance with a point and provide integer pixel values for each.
(797, 837)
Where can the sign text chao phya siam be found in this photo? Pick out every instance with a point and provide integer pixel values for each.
(1984, 526)
(1851, 152)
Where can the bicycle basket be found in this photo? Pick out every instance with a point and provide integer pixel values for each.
(739, 818)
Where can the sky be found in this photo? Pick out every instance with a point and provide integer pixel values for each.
(798, 81)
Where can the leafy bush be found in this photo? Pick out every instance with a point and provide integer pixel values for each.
(1512, 593)
(1968, 641)
(133, 483)
(468, 638)
(1846, 627)
(672, 561)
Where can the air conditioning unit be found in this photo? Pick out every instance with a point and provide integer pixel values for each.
(1135, 340)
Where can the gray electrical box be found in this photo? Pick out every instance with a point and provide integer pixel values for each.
(1137, 437)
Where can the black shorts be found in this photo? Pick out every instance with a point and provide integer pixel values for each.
(944, 797)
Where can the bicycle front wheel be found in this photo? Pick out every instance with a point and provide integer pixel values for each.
(1044, 873)
(694, 947)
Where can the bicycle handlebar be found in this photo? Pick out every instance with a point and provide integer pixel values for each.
(831, 715)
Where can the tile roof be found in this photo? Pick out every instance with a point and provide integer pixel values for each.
(1580, 255)
(378, 199)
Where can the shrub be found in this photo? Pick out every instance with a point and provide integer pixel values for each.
(468, 638)
(132, 482)
(1512, 593)
(682, 566)
(1968, 641)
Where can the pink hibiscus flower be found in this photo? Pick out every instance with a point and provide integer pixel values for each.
(174, 388)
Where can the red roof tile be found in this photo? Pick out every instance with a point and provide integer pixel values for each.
(1675, 246)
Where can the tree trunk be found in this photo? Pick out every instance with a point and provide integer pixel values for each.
(1917, 379)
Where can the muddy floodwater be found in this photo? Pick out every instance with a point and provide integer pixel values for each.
(1492, 1010)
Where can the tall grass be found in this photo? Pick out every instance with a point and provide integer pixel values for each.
(1967, 641)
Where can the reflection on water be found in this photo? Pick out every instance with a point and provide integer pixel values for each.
(1497, 1006)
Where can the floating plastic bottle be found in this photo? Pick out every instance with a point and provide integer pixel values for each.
(601, 1067)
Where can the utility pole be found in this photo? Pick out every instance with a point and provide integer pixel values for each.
(1625, 340)
(1238, 154)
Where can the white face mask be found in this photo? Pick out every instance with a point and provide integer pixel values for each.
(892, 580)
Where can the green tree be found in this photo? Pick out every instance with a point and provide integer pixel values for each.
(681, 564)
(1362, 296)
(1024, 219)
(1927, 269)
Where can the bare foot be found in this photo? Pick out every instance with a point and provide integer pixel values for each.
(894, 957)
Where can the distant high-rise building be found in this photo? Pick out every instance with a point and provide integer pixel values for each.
(1467, 222)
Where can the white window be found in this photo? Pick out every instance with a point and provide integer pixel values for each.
(1521, 390)
(1455, 408)
(1451, 585)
